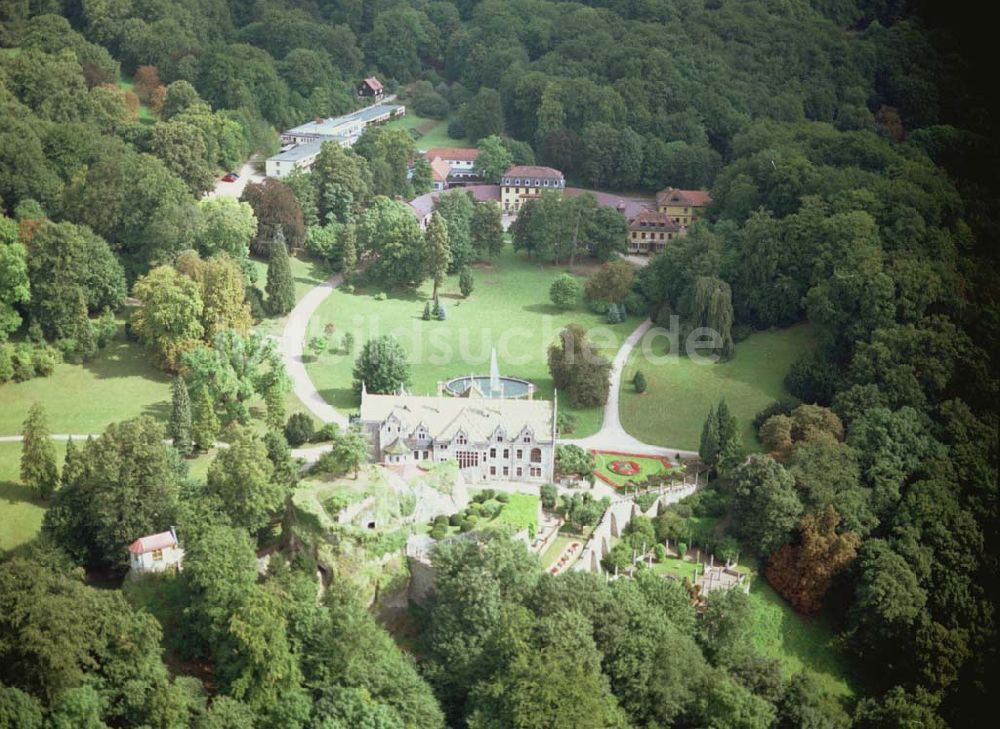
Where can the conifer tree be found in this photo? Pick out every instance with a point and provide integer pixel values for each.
(38, 456)
(639, 382)
(86, 346)
(72, 466)
(438, 251)
(274, 400)
(349, 253)
(204, 421)
(466, 282)
(709, 447)
(280, 286)
(179, 429)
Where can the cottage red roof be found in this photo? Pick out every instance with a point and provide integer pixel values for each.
(689, 198)
(163, 540)
(533, 171)
(440, 169)
(453, 154)
(373, 83)
(647, 219)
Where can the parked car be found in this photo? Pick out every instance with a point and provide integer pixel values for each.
(231, 177)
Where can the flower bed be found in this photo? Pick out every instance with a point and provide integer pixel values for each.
(618, 469)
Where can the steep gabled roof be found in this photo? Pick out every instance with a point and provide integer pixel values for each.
(446, 416)
(440, 169)
(651, 219)
(151, 543)
(688, 198)
(373, 83)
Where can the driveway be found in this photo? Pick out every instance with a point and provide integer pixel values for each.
(247, 173)
(612, 436)
(291, 346)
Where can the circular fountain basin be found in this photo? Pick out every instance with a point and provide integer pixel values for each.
(510, 388)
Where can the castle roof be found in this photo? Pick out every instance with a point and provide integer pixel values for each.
(445, 417)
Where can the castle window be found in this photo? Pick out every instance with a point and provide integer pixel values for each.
(157, 555)
(519, 454)
(536, 455)
(493, 452)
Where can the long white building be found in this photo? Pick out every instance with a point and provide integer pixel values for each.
(301, 145)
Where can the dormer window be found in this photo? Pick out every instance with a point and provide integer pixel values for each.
(460, 439)
(537, 183)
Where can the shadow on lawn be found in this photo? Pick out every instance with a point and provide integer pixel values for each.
(123, 359)
(15, 493)
(550, 309)
(342, 398)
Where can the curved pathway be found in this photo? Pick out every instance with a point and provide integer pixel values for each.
(291, 346)
(612, 436)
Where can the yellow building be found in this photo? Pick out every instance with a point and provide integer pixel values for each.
(524, 182)
(650, 231)
(682, 206)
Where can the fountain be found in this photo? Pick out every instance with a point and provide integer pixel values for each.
(492, 386)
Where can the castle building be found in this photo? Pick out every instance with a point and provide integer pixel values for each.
(524, 182)
(491, 439)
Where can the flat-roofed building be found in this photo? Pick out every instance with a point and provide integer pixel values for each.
(299, 157)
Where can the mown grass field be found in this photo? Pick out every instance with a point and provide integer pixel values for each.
(20, 512)
(509, 309)
(306, 273)
(520, 512)
(118, 384)
(680, 392)
(434, 132)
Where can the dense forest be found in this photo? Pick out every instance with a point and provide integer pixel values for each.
(849, 149)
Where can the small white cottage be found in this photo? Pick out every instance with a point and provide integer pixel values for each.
(155, 553)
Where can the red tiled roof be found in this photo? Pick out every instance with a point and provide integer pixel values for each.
(690, 198)
(373, 83)
(533, 171)
(440, 169)
(458, 154)
(652, 219)
(163, 540)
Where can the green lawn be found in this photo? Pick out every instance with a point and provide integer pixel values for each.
(798, 642)
(118, 384)
(508, 309)
(434, 131)
(676, 567)
(647, 467)
(306, 273)
(679, 392)
(20, 514)
(520, 512)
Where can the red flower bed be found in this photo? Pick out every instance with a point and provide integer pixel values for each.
(624, 468)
